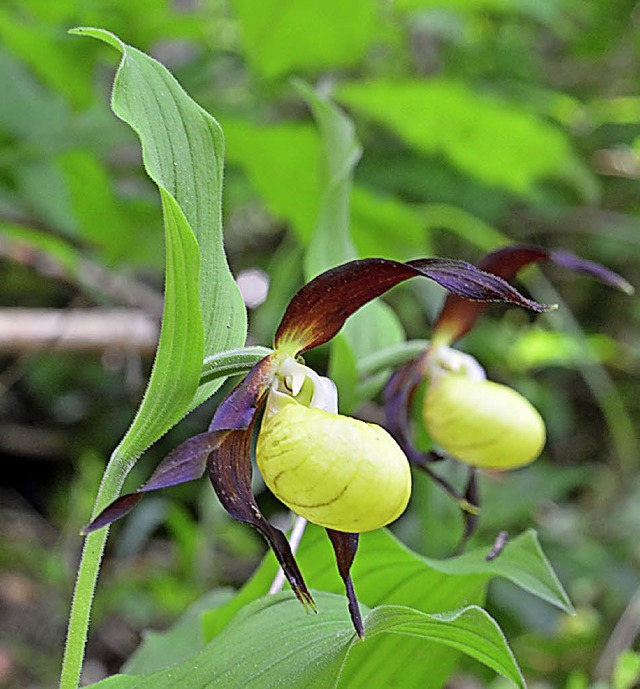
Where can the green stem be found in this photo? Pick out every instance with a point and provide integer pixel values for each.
(122, 460)
(87, 577)
(392, 356)
(231, 362)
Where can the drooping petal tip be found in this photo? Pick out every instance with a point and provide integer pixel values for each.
(568, 260)
(116, 510)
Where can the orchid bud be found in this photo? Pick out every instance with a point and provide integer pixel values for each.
(333, 470)
(482, 423)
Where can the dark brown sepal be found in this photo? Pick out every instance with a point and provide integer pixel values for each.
(458, 316)
(229, 469)
(319, 309)
(345, 546)
(186, 463)
(398, 397)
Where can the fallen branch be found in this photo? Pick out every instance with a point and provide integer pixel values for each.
(28, 330)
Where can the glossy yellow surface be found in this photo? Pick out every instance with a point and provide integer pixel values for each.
(336, 471)
(482, 423)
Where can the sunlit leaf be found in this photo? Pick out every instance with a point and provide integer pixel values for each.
(281, 38)
(95, 205)
(382, 225)
(48, 54)
(281, 162)
(496, 143)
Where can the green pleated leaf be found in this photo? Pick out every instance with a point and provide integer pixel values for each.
(375, 325)
(470, 630)
(183, 148)
(385, 572)
(272, 643)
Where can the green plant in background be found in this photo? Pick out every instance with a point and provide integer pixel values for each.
(367, 484)
(481, 123)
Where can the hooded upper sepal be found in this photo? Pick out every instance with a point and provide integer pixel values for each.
(229, 468)
(345, 546)
(186, 463)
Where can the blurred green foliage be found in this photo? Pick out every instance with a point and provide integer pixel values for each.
(481, 121)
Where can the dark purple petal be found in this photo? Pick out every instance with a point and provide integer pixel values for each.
(320, 308)
(345, 546)
(580, 265)
(467, 281)
(239, 408)
(186, 463)
(458, 316)
(398, 396)
(229, 468)
(118, 508)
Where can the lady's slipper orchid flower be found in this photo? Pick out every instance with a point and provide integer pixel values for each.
(343, 474)
(333, 470)
(480, 423)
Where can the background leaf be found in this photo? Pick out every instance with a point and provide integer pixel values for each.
(500, 145)
(375, 325)
(280, 37)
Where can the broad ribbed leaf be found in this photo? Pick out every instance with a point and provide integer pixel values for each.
(470, 630)
(385, 572)
(159, 650)
(183, 149)
(270, 645)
